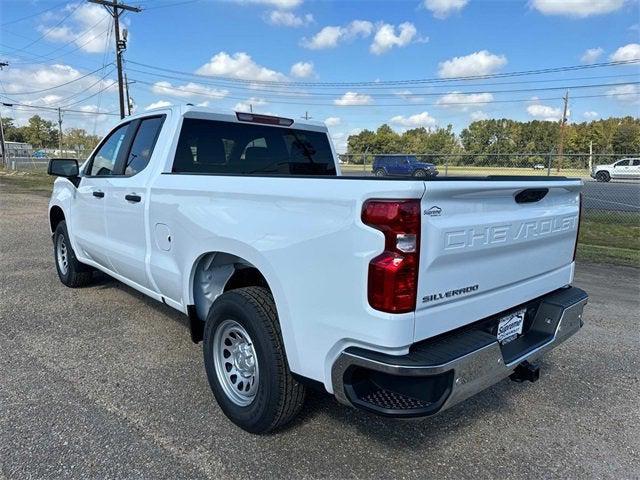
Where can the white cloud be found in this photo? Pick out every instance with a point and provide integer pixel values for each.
(626, 53)
(332, 121)
(590, 114)
(280, 4)
(250, 104)
(418, 120)
(386, 37)
(17, 80)
(331, 36)
(302, 70)
(288, 19)
(86, 28)
(158, 104)
(478, 115)
(591, 55)
(625, 93)
(477, 63)
(239, 65)
(189, 90)
(576, 8)
(353, 98)
(443, 8)
(464, 101)
(545, 112)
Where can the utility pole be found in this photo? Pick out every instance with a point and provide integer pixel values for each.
(60, 131)
(307, 116)
(115, 9)
(563, 123)
(126, 86)
(2, 145)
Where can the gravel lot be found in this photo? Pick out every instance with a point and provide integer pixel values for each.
(103, 383)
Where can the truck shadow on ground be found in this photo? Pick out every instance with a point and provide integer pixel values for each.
(320, 406)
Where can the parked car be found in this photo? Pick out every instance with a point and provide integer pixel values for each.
(402, 165)
(539, 166)
(39, 154)
(627, 168)
(401, 297)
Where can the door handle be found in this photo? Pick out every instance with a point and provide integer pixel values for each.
(98, 193)
(132, 197)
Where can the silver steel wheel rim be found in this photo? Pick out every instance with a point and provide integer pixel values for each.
(236, 362)
(62, 254)
(420, 173)
(380, 173)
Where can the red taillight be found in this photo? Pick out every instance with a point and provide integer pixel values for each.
(266, 119)
(575, 246)
(393, 275)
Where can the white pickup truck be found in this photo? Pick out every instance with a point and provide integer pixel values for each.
(399, 296)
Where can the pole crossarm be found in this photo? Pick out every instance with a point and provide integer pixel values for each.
(115, 5)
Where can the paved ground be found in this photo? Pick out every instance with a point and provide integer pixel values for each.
(616, 195)
(103, 383)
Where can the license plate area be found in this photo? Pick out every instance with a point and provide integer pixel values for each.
(510, 326)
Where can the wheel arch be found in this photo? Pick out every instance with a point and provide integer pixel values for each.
(56, 215)
(216, 272)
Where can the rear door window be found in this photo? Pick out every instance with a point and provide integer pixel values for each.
(208, 146)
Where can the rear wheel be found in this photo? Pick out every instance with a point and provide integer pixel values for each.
(603, 176)
(246, 363)
(71, 272)
(379, 173)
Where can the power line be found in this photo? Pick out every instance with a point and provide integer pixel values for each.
(61, 85)
(55, 109)
(167, 5)
(477, 102)
(92, 95)
(396, 93)
(10, 22)
(391, 82)
(48, 30)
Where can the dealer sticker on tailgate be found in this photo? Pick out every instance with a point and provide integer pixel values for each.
(510, 326)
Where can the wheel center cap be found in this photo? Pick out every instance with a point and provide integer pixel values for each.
(243, 360)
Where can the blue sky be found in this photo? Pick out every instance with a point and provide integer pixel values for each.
(294, 42)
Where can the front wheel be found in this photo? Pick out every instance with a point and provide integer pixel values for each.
(603, 176)
(246, 363)
(379, 173)
(71, 272)
(419, 173)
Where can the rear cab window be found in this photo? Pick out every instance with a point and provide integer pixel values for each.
(218, 147)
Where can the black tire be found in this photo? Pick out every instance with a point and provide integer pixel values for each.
(603, 176)
(72, 273)
(420, 173)
(279, 396)
(379, 173)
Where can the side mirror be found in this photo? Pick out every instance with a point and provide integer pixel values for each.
(63, 167)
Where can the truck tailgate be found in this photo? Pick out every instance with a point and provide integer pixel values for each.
(482, 251)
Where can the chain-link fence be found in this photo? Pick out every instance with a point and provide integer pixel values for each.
(23, 161)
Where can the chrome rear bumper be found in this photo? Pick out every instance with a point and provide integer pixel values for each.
(442, 372)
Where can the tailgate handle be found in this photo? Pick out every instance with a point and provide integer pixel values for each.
(531, 195)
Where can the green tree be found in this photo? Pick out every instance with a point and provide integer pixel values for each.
(41, 133)
(12, 133)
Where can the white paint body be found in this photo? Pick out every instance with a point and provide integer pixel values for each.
(305, 235)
